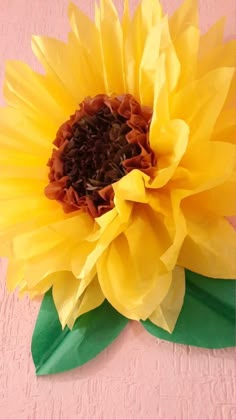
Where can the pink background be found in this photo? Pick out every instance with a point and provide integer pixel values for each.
(138, 377)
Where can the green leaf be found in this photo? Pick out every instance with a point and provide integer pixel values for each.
(207, 318)
(55, 350)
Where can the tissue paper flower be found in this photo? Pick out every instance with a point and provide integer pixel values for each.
(118, 163)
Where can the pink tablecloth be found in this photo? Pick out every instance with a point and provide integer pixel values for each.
(138, 377)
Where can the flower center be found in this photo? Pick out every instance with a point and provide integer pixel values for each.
(104, 140)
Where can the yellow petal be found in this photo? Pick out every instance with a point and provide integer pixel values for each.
(172, 64)
(132, 187)
(87, 40)
(53, 242)
(200, 102)
(209, 247)
(169, 142)
(186, 46)
(15, 274)
(148, 70)
(54, 259)
(24, 89)
(225, 127)
(76, 227)
(166, 314)
(79, 256)
(111, 45)
(24, 135)
(65, 287)
(66, 64)
(20, 188)
(91, 299)
(38, 289)
(146, 17)
(186, 15)
(221, 56)
(207, 166)
(161, 112)
(125, 19)
(107, 234)
(136, 287)
(27, 209)
(213, 38)
(176, 225)
(209, 200)
(31, 244)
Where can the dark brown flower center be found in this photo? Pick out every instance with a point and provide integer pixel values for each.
(102, 142)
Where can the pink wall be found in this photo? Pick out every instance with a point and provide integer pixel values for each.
(138, 377)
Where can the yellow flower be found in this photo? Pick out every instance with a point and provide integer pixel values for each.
(165, 214)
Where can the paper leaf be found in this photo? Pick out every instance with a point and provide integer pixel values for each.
(55, 350)
(207, 318)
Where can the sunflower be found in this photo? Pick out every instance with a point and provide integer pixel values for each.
(117, 164)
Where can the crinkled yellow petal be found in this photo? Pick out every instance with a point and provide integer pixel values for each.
(136, 287)
(161, 114)
(111, 45)
(200, 102)
(11, 157)
(176, 225)
(15, 274)
(70, 231)
(209, 247)
(172, 64)
(65, 65)
(87, 39)
(79, 256)
(20, 188)
(214, 172)
(38, 290)
(85, 30)
(222, 56)
(208, 165)
(186, 46)
(27, 208)
(166, 314)
(230, 100)
(186, 15)
(219, 200)
(60, 65)
(146, 16)
(65, 287)
(108, 232)
(11, 224)
(125, 19)
(91, 299)
(31, 244)
(148, 71)
(54, 259)
(225, 127)
(24, 135)
(213, 38)
(132, 187)
(24, 89)
(169, 143)
(74, 227)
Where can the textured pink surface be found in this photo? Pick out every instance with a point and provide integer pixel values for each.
(138, 377)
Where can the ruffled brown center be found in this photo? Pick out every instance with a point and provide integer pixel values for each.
(102, 142)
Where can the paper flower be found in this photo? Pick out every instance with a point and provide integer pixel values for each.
(117, 164)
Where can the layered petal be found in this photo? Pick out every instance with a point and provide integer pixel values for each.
(209, 247)
(111, 44)
(166, 314)
(200, 103)
(136, 287)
